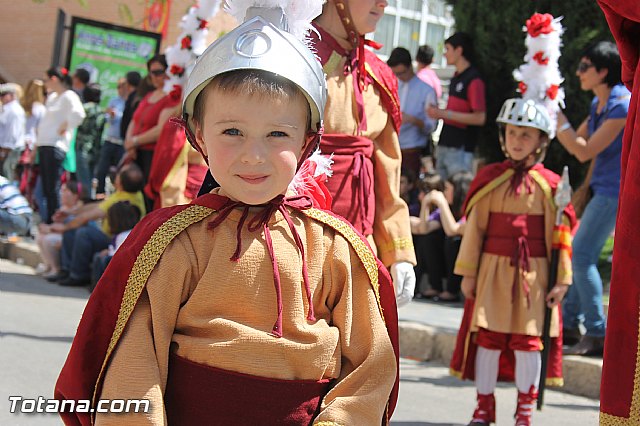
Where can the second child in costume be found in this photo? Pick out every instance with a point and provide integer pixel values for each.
(249, 305)
(504, 261)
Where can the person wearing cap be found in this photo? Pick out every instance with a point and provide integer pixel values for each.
(12, 125)
(362, 122)
(251, 305)
(503, 260)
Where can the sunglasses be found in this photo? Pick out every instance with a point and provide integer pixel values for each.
(584, 66)
(157, 73)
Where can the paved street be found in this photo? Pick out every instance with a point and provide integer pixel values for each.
(38, 319)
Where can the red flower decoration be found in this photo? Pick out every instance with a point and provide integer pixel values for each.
(176, 70)
(522, 87)
(176, 93)
(539, 58)
(64, 71)
(203, 24)
(539, 24)
(186, 42)
(552, 91)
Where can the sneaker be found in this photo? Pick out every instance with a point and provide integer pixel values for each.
(42, 269)
(74, 282)
(61, 275)
(587, 346)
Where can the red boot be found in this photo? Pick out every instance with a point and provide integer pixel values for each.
(485, 412)
(526, 403)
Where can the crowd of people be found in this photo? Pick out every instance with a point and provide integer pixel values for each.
(392, 159)
(65, 160)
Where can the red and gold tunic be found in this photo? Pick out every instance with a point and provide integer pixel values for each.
(506, 246)
(361, 131)
(172, 300)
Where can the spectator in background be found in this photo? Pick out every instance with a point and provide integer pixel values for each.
(599, 139)
(112, 149)
(133, 79)
(79, 81)
(50, 243)
(145, 127)
(89, 136)
(82, 238)
(424, 58)
(33, 105)
(64, 112)
(466, 109)
(409, 192)
(122, 216)
(12, 123)
(15, 213)
(415, 97)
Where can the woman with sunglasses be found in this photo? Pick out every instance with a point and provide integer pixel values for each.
(598, 138)
(145, 127)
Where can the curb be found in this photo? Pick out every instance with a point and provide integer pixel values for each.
(417, 341)
(425, 343)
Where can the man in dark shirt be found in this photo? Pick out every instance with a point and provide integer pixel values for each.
(131, 103)
(466, 109)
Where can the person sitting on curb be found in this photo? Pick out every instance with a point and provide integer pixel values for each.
(15, 213)
(82, 237)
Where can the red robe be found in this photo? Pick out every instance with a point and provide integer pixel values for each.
(620, 388)
(463, 359)
(81, 377)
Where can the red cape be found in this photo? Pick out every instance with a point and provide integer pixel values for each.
(620, 388)
(81, 379)
(378, 73)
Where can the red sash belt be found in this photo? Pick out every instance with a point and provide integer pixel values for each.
(200, 394)
(518, 236)
(352, 182)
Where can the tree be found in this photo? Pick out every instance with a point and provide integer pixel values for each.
(496, 27)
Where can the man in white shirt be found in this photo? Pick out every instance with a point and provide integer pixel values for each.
(12, 122)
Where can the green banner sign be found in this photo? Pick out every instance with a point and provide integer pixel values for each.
(108, 52)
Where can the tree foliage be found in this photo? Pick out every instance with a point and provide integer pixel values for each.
(496, 26)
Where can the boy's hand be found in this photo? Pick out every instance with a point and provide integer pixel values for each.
(556, 295)
(468, 287)
(404, 281)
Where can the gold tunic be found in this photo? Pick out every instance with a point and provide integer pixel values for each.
(391, 228)
(220, 313)
(494, 308)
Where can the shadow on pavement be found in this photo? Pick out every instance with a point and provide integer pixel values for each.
(30, 284)
(65, 339)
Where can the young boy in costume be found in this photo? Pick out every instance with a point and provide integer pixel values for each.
(249, 305)
(504, 263)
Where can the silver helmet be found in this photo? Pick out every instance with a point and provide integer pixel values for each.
(526, 113)
(260, 43)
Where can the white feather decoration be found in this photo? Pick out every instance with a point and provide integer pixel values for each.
(319, 163)
(299, 13)
(539, 77)
(191, 42)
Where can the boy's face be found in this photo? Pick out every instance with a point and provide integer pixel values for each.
(521, 141)
(253, 143)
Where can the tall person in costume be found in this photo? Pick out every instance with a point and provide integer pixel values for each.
(505, 251)
(249, 305)
(362, 121)
(620, 389)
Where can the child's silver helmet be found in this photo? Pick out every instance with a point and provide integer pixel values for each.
(262, 42)
(526, 113)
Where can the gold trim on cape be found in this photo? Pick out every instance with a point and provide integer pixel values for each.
(488, 188)
(142, 268)
(634, 410)
(360, 247)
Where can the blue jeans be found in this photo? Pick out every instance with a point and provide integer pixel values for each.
(84, 170)
(450, 161)
(79, 246)
(584, 299)
(110, 155)
(14, 223)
